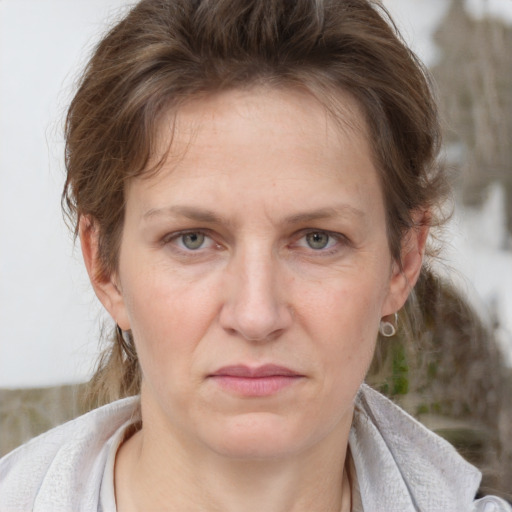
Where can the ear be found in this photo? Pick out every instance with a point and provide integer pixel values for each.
(106, 287)
(404, 278)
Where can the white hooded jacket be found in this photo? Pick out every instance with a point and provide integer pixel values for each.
(400, 465)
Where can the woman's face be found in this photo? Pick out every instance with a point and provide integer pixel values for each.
(253, 272)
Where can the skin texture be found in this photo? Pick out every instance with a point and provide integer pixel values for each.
(268, 178)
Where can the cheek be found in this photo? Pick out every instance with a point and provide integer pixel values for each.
(341, 322)
(344, 318)
(168, 316)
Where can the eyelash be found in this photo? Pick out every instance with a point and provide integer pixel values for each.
(340, 240)
(173, 239)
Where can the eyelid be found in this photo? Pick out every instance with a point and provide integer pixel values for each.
(171, 239)
(340, 238)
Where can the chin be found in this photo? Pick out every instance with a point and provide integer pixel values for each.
(257, 436)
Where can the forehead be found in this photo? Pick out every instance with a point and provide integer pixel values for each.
(277, 141)
(270, 109)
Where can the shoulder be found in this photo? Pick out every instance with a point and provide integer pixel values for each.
(62, 469)
(399, 460)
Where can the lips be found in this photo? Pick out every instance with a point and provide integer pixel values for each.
(268, 370)
(258, 381)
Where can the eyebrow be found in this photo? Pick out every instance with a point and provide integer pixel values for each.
(210, 217)
(190, 212)
(343, 210)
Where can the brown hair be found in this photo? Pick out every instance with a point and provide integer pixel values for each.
(167, 51)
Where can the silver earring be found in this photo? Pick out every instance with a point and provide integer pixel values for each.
(387, 329)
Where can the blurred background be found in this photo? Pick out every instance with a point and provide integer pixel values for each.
(459, 383)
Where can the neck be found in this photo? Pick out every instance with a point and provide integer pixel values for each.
(155, 472)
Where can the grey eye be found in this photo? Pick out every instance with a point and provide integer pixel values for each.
(193, 241)
(317, 240)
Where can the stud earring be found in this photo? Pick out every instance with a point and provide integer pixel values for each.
(387, 329)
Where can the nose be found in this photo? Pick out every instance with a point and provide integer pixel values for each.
(255, 307)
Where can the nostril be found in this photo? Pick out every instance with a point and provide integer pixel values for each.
(252, 326)
(230, 331)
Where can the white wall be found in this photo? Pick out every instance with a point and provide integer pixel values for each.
(48, 318)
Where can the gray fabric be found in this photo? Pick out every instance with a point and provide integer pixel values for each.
(403, 467)
(400, 465)
(61, 471)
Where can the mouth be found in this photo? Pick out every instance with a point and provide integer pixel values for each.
(258, 381)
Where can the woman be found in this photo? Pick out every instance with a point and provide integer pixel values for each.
(253, 183)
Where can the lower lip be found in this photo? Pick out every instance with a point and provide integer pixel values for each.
(255, 386)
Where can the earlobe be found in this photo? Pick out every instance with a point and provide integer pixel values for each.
(404, 276)
(105, 286)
